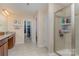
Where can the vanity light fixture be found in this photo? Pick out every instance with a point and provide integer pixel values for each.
(4, 13)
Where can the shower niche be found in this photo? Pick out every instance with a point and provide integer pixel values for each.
(65, 25)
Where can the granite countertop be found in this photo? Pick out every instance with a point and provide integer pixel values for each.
(4, 38)
(7, 34)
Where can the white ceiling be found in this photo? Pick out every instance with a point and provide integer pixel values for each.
(32, 8)
(23, 8)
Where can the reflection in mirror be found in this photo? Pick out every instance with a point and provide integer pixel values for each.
(3, 23)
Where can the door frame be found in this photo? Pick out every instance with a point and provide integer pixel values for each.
(35, 29)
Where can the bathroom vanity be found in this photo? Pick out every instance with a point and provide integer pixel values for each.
(7, 41)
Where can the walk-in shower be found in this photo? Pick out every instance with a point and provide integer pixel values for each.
(64, 43)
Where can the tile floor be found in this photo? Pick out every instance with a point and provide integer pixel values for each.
(27, 49)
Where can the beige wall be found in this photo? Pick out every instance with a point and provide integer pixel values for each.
(51, 27)
(40, 27)
(41, 34)
(33, 30)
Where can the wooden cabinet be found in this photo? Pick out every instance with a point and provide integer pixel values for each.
(11, 42)
(4, 49)
(1, 51)
(6, 43)
(5, 46)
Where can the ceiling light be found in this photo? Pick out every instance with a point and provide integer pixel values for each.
(5, 12)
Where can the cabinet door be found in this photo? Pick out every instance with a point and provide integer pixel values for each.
(5, 49)
(11, 42)
(1, 51)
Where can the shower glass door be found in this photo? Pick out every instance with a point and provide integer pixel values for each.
(63, 31)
